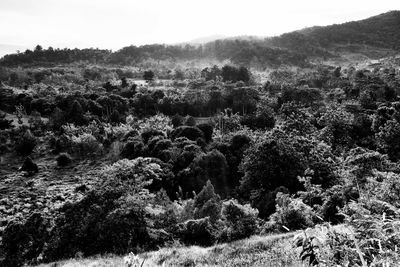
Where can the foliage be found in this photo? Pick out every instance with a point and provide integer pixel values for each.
(24, 241)
(26, 143)
(133, 148)
(190, 132)
(292, 213)
(64, 159)
(240, 220)
(148, 75)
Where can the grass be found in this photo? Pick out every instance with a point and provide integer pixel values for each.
(267, 251)
(271, 250)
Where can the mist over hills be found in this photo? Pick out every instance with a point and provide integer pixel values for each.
(375, 37)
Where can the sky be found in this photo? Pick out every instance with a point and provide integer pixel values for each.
(113, 24)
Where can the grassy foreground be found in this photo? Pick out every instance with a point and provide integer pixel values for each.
(270, 250)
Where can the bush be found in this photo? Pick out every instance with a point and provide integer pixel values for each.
(198, 232)
(292, 213)
(26, 143)
(101, 222)
(240, 220)
(133, 148)
(64, 159)
(86, 144)
(24, 241)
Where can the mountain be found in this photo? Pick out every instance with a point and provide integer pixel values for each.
(373, 38)
(378, 31)
(366, 36)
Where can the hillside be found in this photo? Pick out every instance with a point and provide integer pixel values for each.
(364, 36)
(379, 31)
(375, 37)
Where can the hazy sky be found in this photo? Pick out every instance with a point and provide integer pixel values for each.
(116, 23)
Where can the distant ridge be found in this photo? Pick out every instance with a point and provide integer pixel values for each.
(374, 37)
(206, 39)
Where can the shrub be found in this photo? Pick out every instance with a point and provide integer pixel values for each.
(26, 143)
(64, 159)
(292, 213)
(102, 222)
(29, 166)
(24, 241)
(86, 144)
(133, 148)
(240, 220)
(198, 232)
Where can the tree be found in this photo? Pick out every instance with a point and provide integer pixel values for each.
(76, 114)
(148, 75)
(272, 163)
(244, 99)
(38, 48)
(57, 119)
(207, 203)
(388, 139)
(206, 166)
(124, 82)
(233, 74)
(243, 74)
(26, 143)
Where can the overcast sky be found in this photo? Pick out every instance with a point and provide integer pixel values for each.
(113, 24)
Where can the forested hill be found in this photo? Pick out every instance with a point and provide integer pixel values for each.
(380, 31)
(367, 36)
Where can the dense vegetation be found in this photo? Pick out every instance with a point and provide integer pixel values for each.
(196, 155)
(200, 160)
